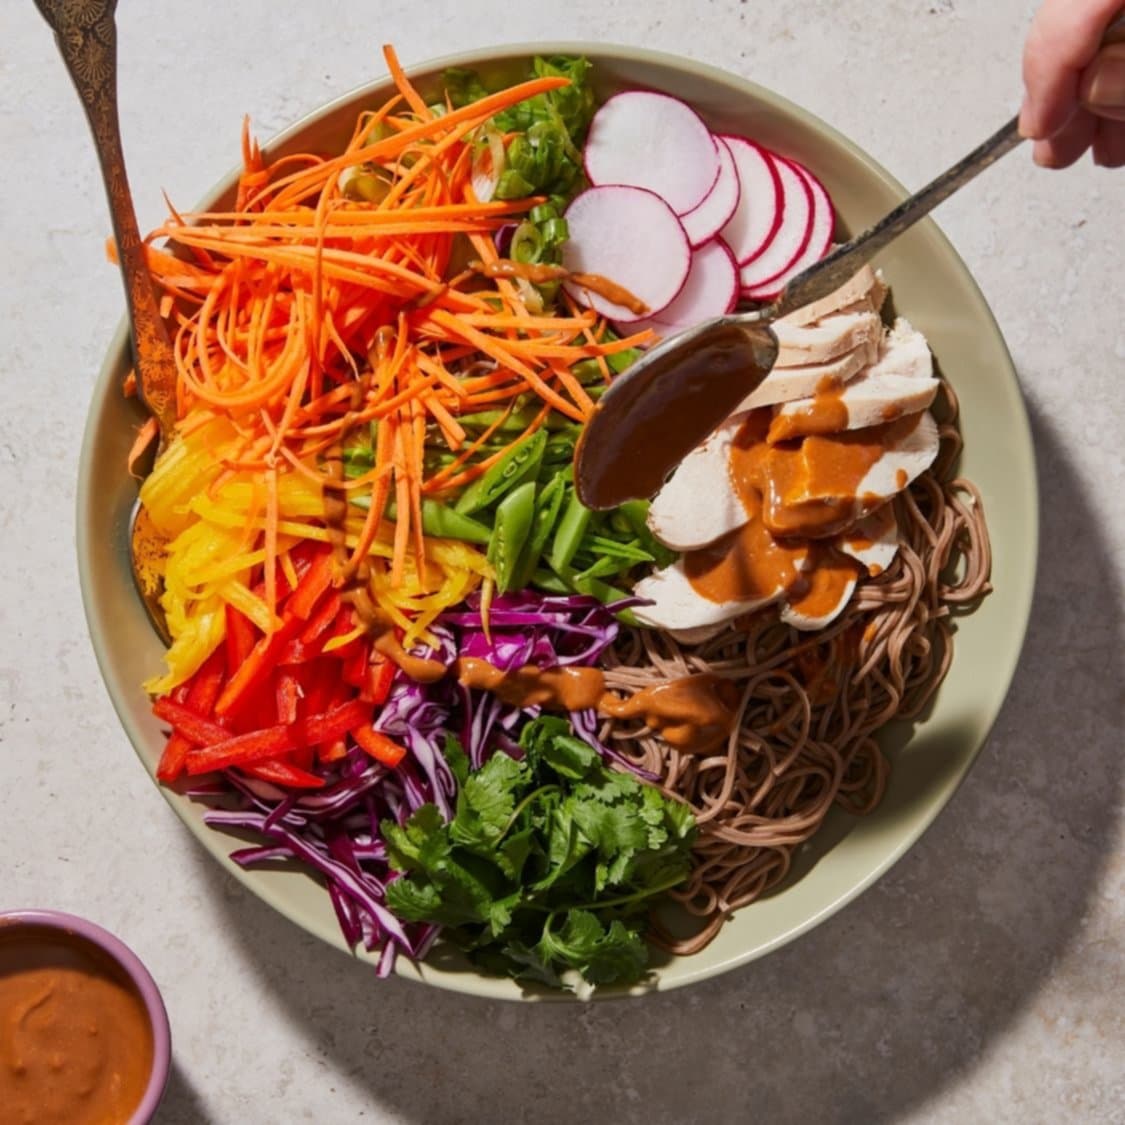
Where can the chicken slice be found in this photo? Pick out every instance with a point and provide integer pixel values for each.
(873, 541)
(783, 384)
(829, 338)
(866, 286)
(698, 504)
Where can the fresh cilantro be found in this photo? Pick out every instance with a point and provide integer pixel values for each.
(549, 865)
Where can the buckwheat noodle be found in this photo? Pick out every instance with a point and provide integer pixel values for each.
(812, 703)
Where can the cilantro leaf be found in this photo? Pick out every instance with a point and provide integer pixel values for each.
(549, 864)
(486, 803)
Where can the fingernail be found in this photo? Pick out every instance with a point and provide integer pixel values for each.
(1025, 111)
(1043, 154)
(1104, 88)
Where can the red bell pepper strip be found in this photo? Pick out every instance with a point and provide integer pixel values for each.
(288, 691)
(241, 635)
(379, 746)
(242, 749)
(334, 723)
(258, 745)
(197, 696)
(190, 724)
(380, 677)
(355, 657)
(316, 582)
(254, 669)
(321, 619)
(284, 773)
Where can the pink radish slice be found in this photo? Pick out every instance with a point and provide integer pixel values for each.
(702, 223)
(758, 215)
(823, 228)
(631, 237)
(711, 290)
(648, 140)
(792, 235)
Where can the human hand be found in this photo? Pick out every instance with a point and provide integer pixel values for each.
(1075, 88)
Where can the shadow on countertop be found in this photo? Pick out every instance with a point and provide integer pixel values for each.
(875, 1012)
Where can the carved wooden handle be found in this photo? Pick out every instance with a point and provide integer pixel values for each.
(87, 39)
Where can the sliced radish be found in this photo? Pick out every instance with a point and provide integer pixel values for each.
(755, 220)
(820, 238)
(648, 140)
(711, 289)
(792, 235)
(632, 238)
(702, 223)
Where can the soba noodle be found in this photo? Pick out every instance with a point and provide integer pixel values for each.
(812, 704)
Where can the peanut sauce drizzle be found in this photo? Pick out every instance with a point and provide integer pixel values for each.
(695, 714)
(540, 272)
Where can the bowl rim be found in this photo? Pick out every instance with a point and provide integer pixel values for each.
(134, 968)
(1025, 559)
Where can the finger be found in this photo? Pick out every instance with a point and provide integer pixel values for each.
(1109, 144)
(1102, 89)
(1060, 45)
(1066, 146)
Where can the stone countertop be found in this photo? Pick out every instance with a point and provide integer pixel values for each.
(980, 981)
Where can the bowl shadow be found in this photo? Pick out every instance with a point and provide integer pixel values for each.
(874, 1012)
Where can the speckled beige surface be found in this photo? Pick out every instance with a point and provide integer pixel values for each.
(981, 981)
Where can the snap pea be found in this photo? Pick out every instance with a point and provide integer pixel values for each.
(550, 583)
(568, 537)
(514, 517)
(548, 504)
(516, 421)
(630, 551)
(605, 567)
(560, 446)
(438, 521)
(635, 513)
(447, 523)
(593, 586)
(619, 361)
(521, 463)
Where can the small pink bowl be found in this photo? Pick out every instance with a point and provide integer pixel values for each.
(130, 965)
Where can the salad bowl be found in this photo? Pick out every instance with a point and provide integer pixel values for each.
(929, 757)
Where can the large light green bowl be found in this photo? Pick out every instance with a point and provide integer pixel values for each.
(930, 285)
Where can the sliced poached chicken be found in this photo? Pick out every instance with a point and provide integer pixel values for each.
(864, 288)
(699, 504)
(828, 339)
(795, 520)
(872, 541)
(900, 382)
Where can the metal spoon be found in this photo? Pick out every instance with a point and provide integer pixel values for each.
(87, 40)
(663, 406)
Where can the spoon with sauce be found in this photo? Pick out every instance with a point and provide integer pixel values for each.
(662, 407)
(86, 35)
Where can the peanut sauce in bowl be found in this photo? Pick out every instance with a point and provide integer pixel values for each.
(84, 1037)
